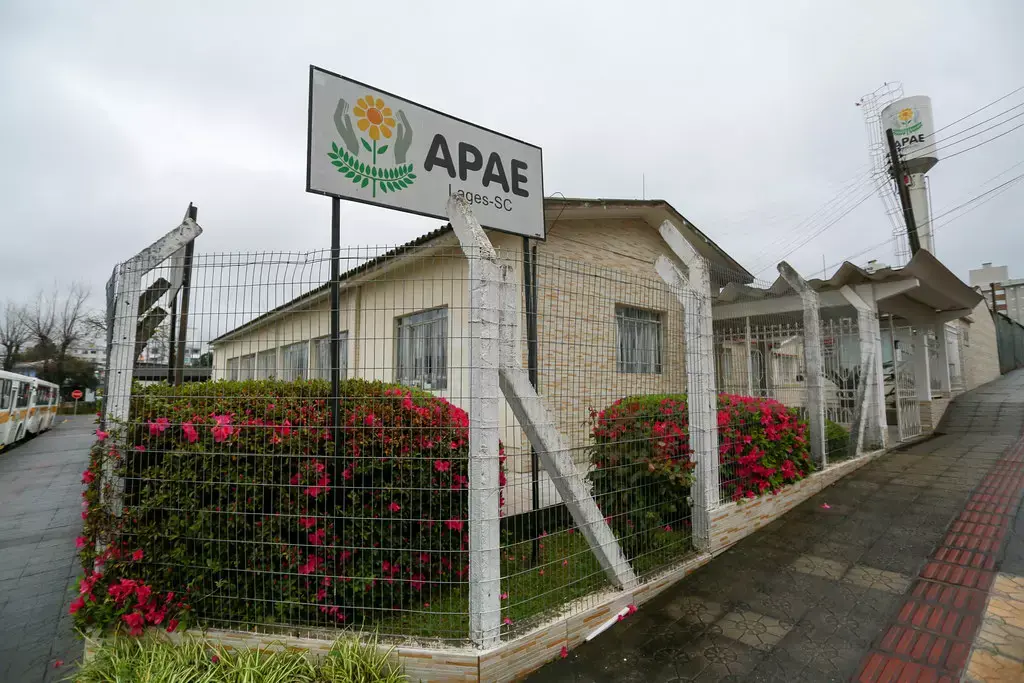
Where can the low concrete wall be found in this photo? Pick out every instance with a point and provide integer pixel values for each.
(734, 521)
(932, 412)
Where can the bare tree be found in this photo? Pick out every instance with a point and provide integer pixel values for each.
(14, 334)
(56, 321)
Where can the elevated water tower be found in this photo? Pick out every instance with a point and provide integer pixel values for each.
(910, 119)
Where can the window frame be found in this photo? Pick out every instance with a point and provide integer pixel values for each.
(287, 373)
(636, 367)
(24, 391)
(435, 380)
(245, 373)
(272, 370)
(6, 391)
(233, 368)
(324, 372)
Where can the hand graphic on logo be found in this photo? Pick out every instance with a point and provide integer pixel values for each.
(403, 138)
(343, 122)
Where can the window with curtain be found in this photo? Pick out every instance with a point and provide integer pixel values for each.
(266, 364)
(295, 361)
(232, 369)
(322, 356)
(639, 347)
(247, 367)
(421, 354)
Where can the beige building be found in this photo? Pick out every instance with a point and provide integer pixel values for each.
(607, 326)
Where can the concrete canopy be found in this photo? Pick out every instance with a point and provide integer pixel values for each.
(923, 291)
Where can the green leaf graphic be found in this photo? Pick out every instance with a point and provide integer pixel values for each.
(382, 149)
(366, 145)
(366, 181)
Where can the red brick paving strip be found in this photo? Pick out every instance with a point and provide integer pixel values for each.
(931, 636)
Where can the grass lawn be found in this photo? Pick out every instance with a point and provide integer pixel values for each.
(566, 570)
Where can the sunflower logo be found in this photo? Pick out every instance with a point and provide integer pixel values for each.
(376, 120)
(904, 116)
(374, 116)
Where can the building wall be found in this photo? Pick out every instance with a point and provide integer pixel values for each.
(980, 354)
(585, 269)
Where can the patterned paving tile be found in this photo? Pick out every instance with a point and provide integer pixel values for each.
(986, 667)
(878, 579)
(759, 631)
(820, 566)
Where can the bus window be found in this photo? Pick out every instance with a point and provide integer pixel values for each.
(24, 391)
(5, 394)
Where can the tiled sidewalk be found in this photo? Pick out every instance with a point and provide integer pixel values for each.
(40, 506)
(812, 595)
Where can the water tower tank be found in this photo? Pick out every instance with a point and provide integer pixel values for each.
(914, 129)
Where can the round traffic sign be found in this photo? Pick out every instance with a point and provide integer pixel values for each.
(76, 394)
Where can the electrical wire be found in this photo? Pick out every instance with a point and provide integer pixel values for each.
(981, 144)
(999, 189)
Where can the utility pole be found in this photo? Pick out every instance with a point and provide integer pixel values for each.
(901, 187)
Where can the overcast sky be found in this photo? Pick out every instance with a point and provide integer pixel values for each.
(113, 116)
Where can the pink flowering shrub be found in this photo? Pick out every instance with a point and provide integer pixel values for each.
(642, 468)
(239, 494)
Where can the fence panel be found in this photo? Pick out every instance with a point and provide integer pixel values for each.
(610, 364)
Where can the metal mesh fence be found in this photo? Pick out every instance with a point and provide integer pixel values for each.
(609, 362)
(239, 490)
(242, 483)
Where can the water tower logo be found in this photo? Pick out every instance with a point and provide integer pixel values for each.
(908, 120)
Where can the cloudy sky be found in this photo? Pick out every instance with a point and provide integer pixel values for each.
(113, 116)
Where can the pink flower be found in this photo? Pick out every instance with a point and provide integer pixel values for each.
(88, 477)
(631, 609)
(394, 507)
(454, 524)
(85, 514)
(565, 563)
(214, 659)
(101, 435)
(826, 506)
(191, 434)
(137, 555)
(172, 625)
(541, 572)
(564, 652)
(76, 604)
(158, 426)
(442, 465)
(135, 622)
(507, 621)
(317, 537)
(80, 542)
(307, 522)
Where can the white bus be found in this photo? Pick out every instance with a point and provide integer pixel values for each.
(28, 405)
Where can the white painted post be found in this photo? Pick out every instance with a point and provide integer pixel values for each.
(554, 454)
(128, 285)
(874, 429)
(694, 293)
(942, 361)
(922, 364)
(484, 486)
(750, 360)
(813, 362)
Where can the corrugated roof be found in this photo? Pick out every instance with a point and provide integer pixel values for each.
(551, 205)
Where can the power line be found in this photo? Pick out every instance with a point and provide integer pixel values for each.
(964, 118)
(949, 142)
(995, 137)
(999, 189)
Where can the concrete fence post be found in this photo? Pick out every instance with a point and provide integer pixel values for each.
(813, 362)
(694, 293)
(126, 286)
(484, 405)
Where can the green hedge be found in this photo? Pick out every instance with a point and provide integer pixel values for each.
(642, 471)
(237, 496)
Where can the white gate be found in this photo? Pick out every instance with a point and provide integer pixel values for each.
(908, 410)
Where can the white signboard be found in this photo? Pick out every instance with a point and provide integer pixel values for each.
(370, 146)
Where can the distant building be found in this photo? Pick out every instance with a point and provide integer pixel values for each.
(1003, 293)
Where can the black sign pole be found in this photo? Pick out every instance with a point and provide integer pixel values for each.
(335, 317)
